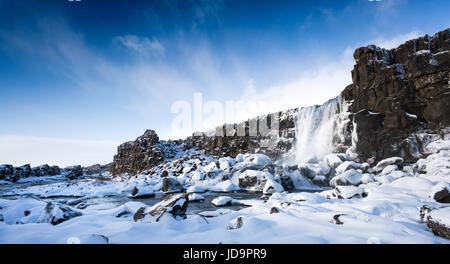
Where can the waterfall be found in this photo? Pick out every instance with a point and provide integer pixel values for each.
(320, 128)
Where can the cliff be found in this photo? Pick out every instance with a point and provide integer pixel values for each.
(395, 95)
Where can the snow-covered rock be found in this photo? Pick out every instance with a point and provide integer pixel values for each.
(437, 219)
(254, 180)
(306, 197)
(349, 177)
(388, 169)
(441, 192)
(218, 212)
(272, 186)
(348, 192)
(54, 213)
(223, 201)
(225, 186)
(236, 223)
(386, 162)
(142, 191)
(171, 185)
(196, 197)
(367, 178)
(226, 163)
(174, 205)
(196, 189)
(333, 160)
(347, 165)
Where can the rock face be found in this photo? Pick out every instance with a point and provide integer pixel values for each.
(250, 136)
(142, 154)
(397, 91)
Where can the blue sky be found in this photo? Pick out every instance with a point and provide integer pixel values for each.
(79, 78)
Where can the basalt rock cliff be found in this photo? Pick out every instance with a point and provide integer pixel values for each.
(398, 92)
(394, 95)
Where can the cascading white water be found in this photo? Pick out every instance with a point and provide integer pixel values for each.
(318, 126)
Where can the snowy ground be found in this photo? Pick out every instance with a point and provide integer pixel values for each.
(377, 205)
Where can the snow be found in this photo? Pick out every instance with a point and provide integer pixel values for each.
(196, 189)
(196, 197)
(388, 169)
(439, 187)
(386, 162)
(348, 177)
(142, 191)
(226, 163)
(225, 186)
(348, 192)
(380, 209)
(333, 160)
(347, 165)
(272, 186)
(222, 201)
(441, 215)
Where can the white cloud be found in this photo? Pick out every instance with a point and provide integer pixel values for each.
(20, 150)
(315, 86)
(396, 40)
(142, 45)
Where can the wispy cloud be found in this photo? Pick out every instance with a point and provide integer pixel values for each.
(396, 40)
(142, 45)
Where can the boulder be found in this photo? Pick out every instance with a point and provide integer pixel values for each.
(253, 179)
(274, 210)
(142, 192)
(437, 219)
(349, 192)
(398, 161)
(174, 204)
(333, 160)
(195, 197)
(223, 201)
(55, 213)
(7, 173)
(272, 186)
(347, 165)
(441, 192)
(350, 177)
(73, 172)
(171, 185)
(336, 219)
(236, 223)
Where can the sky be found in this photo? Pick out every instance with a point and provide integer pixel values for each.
(78, 78)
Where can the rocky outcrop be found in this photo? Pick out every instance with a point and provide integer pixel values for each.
(142, 154)
(250, 136)
(396, 92)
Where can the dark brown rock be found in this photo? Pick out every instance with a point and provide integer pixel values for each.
(336, 219)
(396, 92)
(274, 210)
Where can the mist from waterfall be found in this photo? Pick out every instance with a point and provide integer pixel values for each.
(319, 128)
